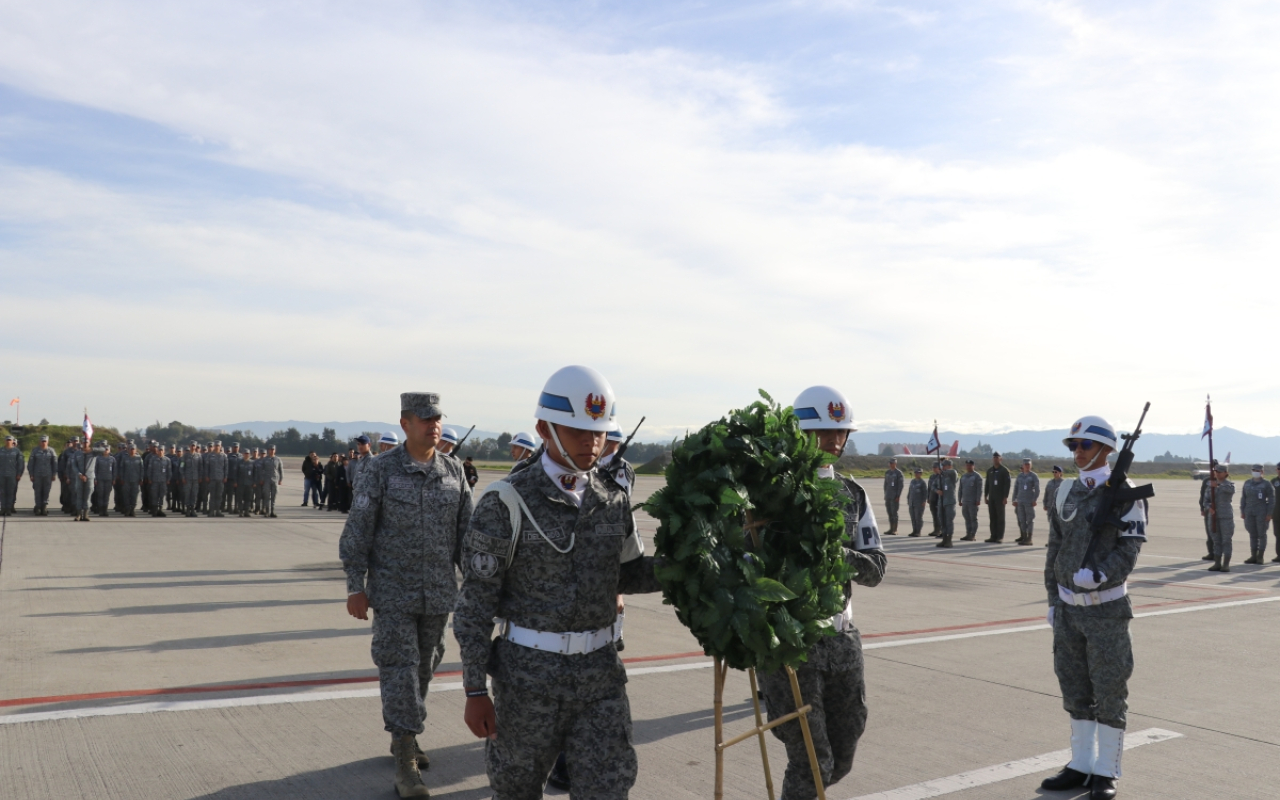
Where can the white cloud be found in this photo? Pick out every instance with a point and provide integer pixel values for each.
(501, 198)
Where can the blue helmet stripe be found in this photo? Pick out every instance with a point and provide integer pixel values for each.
(1101, 431)
(807, 413)
(555, 402)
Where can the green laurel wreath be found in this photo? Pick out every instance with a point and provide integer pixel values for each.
(751, 474)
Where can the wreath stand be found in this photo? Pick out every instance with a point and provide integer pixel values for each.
(801, 712)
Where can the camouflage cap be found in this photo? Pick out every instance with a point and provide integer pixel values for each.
(1220, 468)
(919, 471)
(10, 438)
(235, 444)
(424, 405)
(44, 438)
(1026, 461)
(1256, 468)
(1057, 468)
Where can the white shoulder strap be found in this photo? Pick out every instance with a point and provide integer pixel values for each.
(1060, 499)
(515, 504)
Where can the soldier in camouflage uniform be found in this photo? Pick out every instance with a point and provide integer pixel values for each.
(548, 550)
(64, 482)
(970, 499)
(175, 494)
(12, 468)
(935, 489)
(156, 480)
(128, 478)
(996, 495)
(244, 486)
(190, 471)
(1051, 492)
(270, 477)
(917, 496)
(1257, 501)
(104, 474)
(405, 534)
(1089, 610)
(42, 467)
(1275, 518)
(229, 493)
(946, 498)
(894, 483)
(355, 465)
(81, 468)
(1222, 526)
(831, 680)
(215, 470)
(1026, 491)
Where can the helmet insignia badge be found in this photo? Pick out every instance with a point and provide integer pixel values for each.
(835, 411)
(595, 406)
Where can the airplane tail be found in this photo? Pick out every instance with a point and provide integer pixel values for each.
(1227, 463)
(955, 449)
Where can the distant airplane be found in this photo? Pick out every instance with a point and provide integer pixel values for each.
(1203, 474)
(952, 453)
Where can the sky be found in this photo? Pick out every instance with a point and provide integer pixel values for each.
(998, 215)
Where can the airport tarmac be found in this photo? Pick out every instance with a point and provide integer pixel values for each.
(213, 658)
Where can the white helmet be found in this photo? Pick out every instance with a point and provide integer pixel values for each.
(389, 438)
(524, 440)
(822, 408)
(615, 433)
(448, 434)
(1095, 428)
(577, 397)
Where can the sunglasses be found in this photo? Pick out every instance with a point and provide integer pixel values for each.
(1080, 444)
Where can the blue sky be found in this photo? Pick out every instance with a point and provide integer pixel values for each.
(996, 214)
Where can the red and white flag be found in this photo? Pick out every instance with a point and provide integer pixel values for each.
(14, 401)
(88, 426)
(934, 445)
(1208, 419)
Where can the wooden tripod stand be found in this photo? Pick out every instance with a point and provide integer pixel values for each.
(801, 712)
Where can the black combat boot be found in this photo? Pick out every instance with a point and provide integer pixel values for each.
(1067, 779)
(946, 542)
(1226, 564)
(1217, 565)
(1102, 788)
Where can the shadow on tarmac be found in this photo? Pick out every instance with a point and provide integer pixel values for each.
(184, 584)
(213, 642)
(189, 608)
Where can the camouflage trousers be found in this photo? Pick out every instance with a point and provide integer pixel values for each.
(891, 506)
(917, 516)
(533, 728)
(41, 487)
(832, 683)
(970, 511)
(1026, 514)
(155, 495)
(947, 520)
(1093, 658)
(128, 496)
(190, 495)
(933, 515)
(407, 648)
(1221, 537)
(1255, 522)
(102, 496)
(215, 496)
(8, 492)
(269, 497)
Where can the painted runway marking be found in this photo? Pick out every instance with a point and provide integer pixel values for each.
(1010, 769)
(276, 699)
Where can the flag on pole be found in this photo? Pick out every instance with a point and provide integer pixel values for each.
(1208, 419)
(14, 401)
(88, 426)
(934, 445)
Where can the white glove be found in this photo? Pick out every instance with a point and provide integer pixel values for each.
(1049, 616)
(1084, 579)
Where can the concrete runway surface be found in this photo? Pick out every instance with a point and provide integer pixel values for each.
(213, 658)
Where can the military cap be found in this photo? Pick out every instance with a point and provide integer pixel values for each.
(235, 444)
(919, 471)
(1057, 468)
(946, 462)
(968, 461)
(362, 439)
(424, 405)
(1220, 468)
(995, 455)
(1026, 461)
(44, 438)
(74, 439)
(893, 460)
(100, 448)
(218, 443)
(10, 438)
(1257, 467)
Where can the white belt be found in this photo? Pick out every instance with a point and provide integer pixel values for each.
(843, 622)
(569, 644)
(1092, 598)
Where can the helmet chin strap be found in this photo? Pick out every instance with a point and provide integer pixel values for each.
(555, 437)
(1093, 461)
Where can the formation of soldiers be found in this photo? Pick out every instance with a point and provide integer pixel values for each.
(945, 489)
(1257, 511)
(193, 480)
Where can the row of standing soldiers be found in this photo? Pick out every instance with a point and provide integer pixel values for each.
(1256, 508)
(199, 478)
(945, 489)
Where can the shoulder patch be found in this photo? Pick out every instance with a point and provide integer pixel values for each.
(362, 500)
(484, 565)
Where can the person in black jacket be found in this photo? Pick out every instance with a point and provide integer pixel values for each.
(330, 481)
(312, 479)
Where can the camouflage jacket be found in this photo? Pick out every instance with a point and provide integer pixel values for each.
(1115, 556)
(1026, 488)
(42, 463)
(213, 467)
(547, 590)
(1257, 496)
(129, 468)
(971, 488)
(244, 472)
(189, 467)
(175, 467)
(156, 469)
(12, 464)
(63, 458)
(105, 468)
(270, 469)
(405, 533)
(917, 492)
(947, 483)
(1051, 492)
(893, 479)
(1222, 497)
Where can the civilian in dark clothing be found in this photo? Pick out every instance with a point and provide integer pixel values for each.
(312, 480)
(341, 486)
(330, 481)
(469, 470)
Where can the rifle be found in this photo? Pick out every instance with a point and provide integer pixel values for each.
(616, 463)
(1115, 493)
(463, 441)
